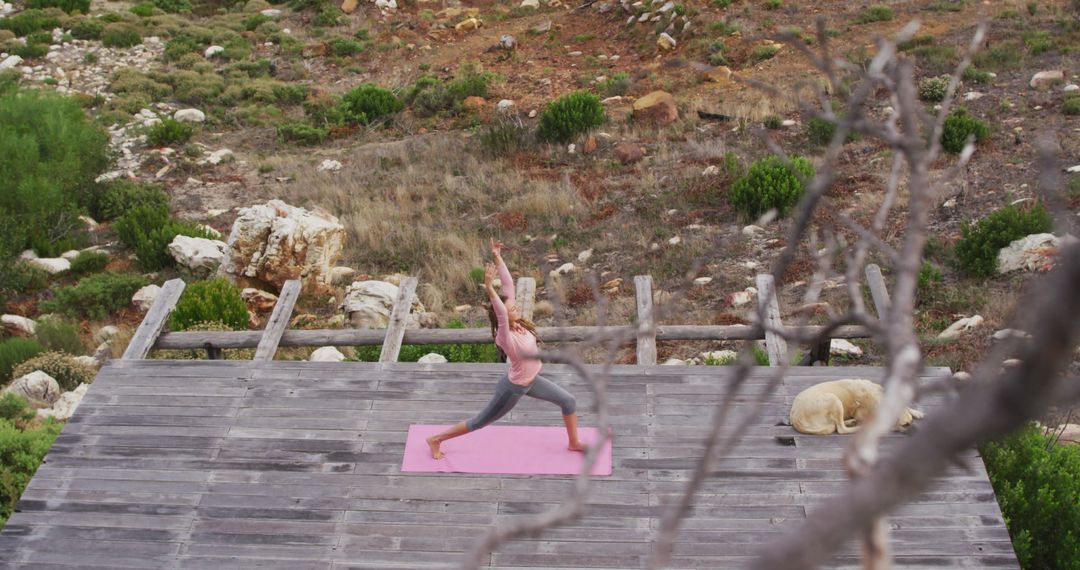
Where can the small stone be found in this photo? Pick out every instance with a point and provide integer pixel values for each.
(719, 356)
(571, 148)
(665, 42)
(675, 240)
(565, 269)
(271, 12)
(702, 281)
(326, 354)
(504, 105)
(106, 333)
(189, 116)
(507, 42)
(36, 386)
(744, 297)
(468, 24)
(212, 51)
(10, 62)
(144, 298)
(473, 103)
(432, 358)
(589, 146)
(1070, 88)
(752, 230)
(70, 254)
(961, 326)
(628, 153)
(1010, 334)
(1044, 79)
(843, 347)
(972, 96)
(674, 362)
(50, 265)
(530, 4)
(949, 204)
(462, 308)
(258, 300)
(342, 275)
(329, 165)
(584, 255)
(219, 156)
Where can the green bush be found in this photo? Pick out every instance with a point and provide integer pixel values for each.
(59, 335)
(302, 133)
(1004, 55)
(29, 21)
(87, 29)
(179, 46)
(236, 49)
(773, 122)
(50, 155)
(974, 75)
(762, 53)
(96, 296)
(290, 94)
(69, 6)
(63, 368)
(31, 51)
(933, 89)
(344, 47)
(15, 409)
(15, 351)
(877, 13)
(200, 353)
(122, 196)
(504, 138)
(768, 184)
(120, 36)
(980, 242)
(958, 126)
(149, 230)
(1071, 106)
(173, 6)
(367, 103)
(255, 20)
(44, 38)
(88, 262)
(143, 10)
(820, 130)
(21, 451)
(169, 131)
(569, 116)
(1037, 484)
(453, 352)
(216, 300)
(193, 87)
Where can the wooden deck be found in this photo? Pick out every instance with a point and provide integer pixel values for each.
(297, 465)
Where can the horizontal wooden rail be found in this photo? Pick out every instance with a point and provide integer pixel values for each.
(364, 337)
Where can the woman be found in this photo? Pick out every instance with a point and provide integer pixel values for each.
(517, 338)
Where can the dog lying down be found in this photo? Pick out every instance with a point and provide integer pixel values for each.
(839, 406)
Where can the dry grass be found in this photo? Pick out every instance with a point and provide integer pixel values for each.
(426, 208)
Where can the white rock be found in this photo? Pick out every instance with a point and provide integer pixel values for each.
(70, 254)
(189, 116)
(10, 62)
(665, 42)
(788, 123)
(386, 4)
(842, 347)
(88, 361)
(144, 298)
(571, 148)
(212, 51)
(564, 269)
(702, 281)
(275, 242)
(961, 326)
(504, 105)
(432, 358)
(64, 407)
(1070, 88)
(18, 326)
(674, 362)
(1010, 334)
(271, 12)
(666, 8)
(90, 223)
(530, 3)
(752, 230)
(50, 265)
(740, 298)
(219, 156)
(105, 333)
(258, 300)
(329, 165)
(1035, 252)
(675, 240)
(199, 255)
(1073, 169)
(1045, 78)
(36, 386)
(584, 255)
(368, 304)
(721, 356)
(341, 275)
(949, 204)
(27, 255)
(711, 170)
(327, 354)
(972, 96)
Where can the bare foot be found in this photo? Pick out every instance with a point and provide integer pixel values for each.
(434, 445)
(577, 446)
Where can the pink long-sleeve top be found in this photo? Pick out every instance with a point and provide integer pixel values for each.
(515, 344)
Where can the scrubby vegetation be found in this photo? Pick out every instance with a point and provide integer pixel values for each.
(23, 444)
(96, 296)
(977, 250)
(216, 300)
(959, 126)
(571, 115)
(63, 368)
(769, 184)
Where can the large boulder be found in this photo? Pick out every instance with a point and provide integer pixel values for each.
(432, 358)
(1035, 252)
(201, 256)
(368, 305)
(144, 298)
(275, 242)
(18, 326)
(65, 406)
(657, 109)
(37, 387)
(327, 354)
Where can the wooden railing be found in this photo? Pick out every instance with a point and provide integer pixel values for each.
(266, 342)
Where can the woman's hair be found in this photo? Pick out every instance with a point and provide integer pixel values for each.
(494, 321)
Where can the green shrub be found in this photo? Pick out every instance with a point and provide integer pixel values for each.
(121, 196)
(21, 451)
(87, 29)
(31, 51)
(67, 371)
(935, 59)
(453, 352)
(929, 277)
(958, 126)
(1071, 105)
(504, 138)
(169, 131)
(44, 38)
(290, 94)
(179, 46)
(820, 130)
(569, 116)
(773, 122)
(120, 36)
(344, 47)
(88, 262)
(194, 88)
(69, 6)
(173, 6)
(974, 75)
(1039, 42)
(236, 49)
(15, 409)
(149, 230)
(933, 89)
(130, 81)
(768, 184)
(762, 53)
(255, 20)
(369, 102)
(29, 21)
(214, 300)
(980, 242)
(15, 351)
(302, 133)
(59, 335)
(1037, 484)
(1004, 55)
(96, 296)
(877, 13)
(50, 155)
(144, 10)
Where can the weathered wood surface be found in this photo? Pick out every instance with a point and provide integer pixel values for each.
(279, 319)
(775, 345)
(155, 321)
(281, 464)
(646, 337)
(878, 291)
(395, 332)
(526, 296)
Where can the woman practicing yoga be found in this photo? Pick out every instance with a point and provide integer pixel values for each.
(517, 338)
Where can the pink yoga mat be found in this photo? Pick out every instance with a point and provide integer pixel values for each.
(519, 450)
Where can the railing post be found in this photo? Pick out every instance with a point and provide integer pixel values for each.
(154, 321)
(279, 319)
(399, 316)
(646, 329)
(878, 290)
(526, 296)
(770, 306)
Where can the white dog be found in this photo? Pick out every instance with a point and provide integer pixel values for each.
(839, 406)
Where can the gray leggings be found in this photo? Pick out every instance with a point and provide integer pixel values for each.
(507, 395)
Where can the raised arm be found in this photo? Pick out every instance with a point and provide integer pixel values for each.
(504, 272)
(496, 302)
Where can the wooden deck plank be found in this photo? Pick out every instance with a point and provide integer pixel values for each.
(282, 465)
